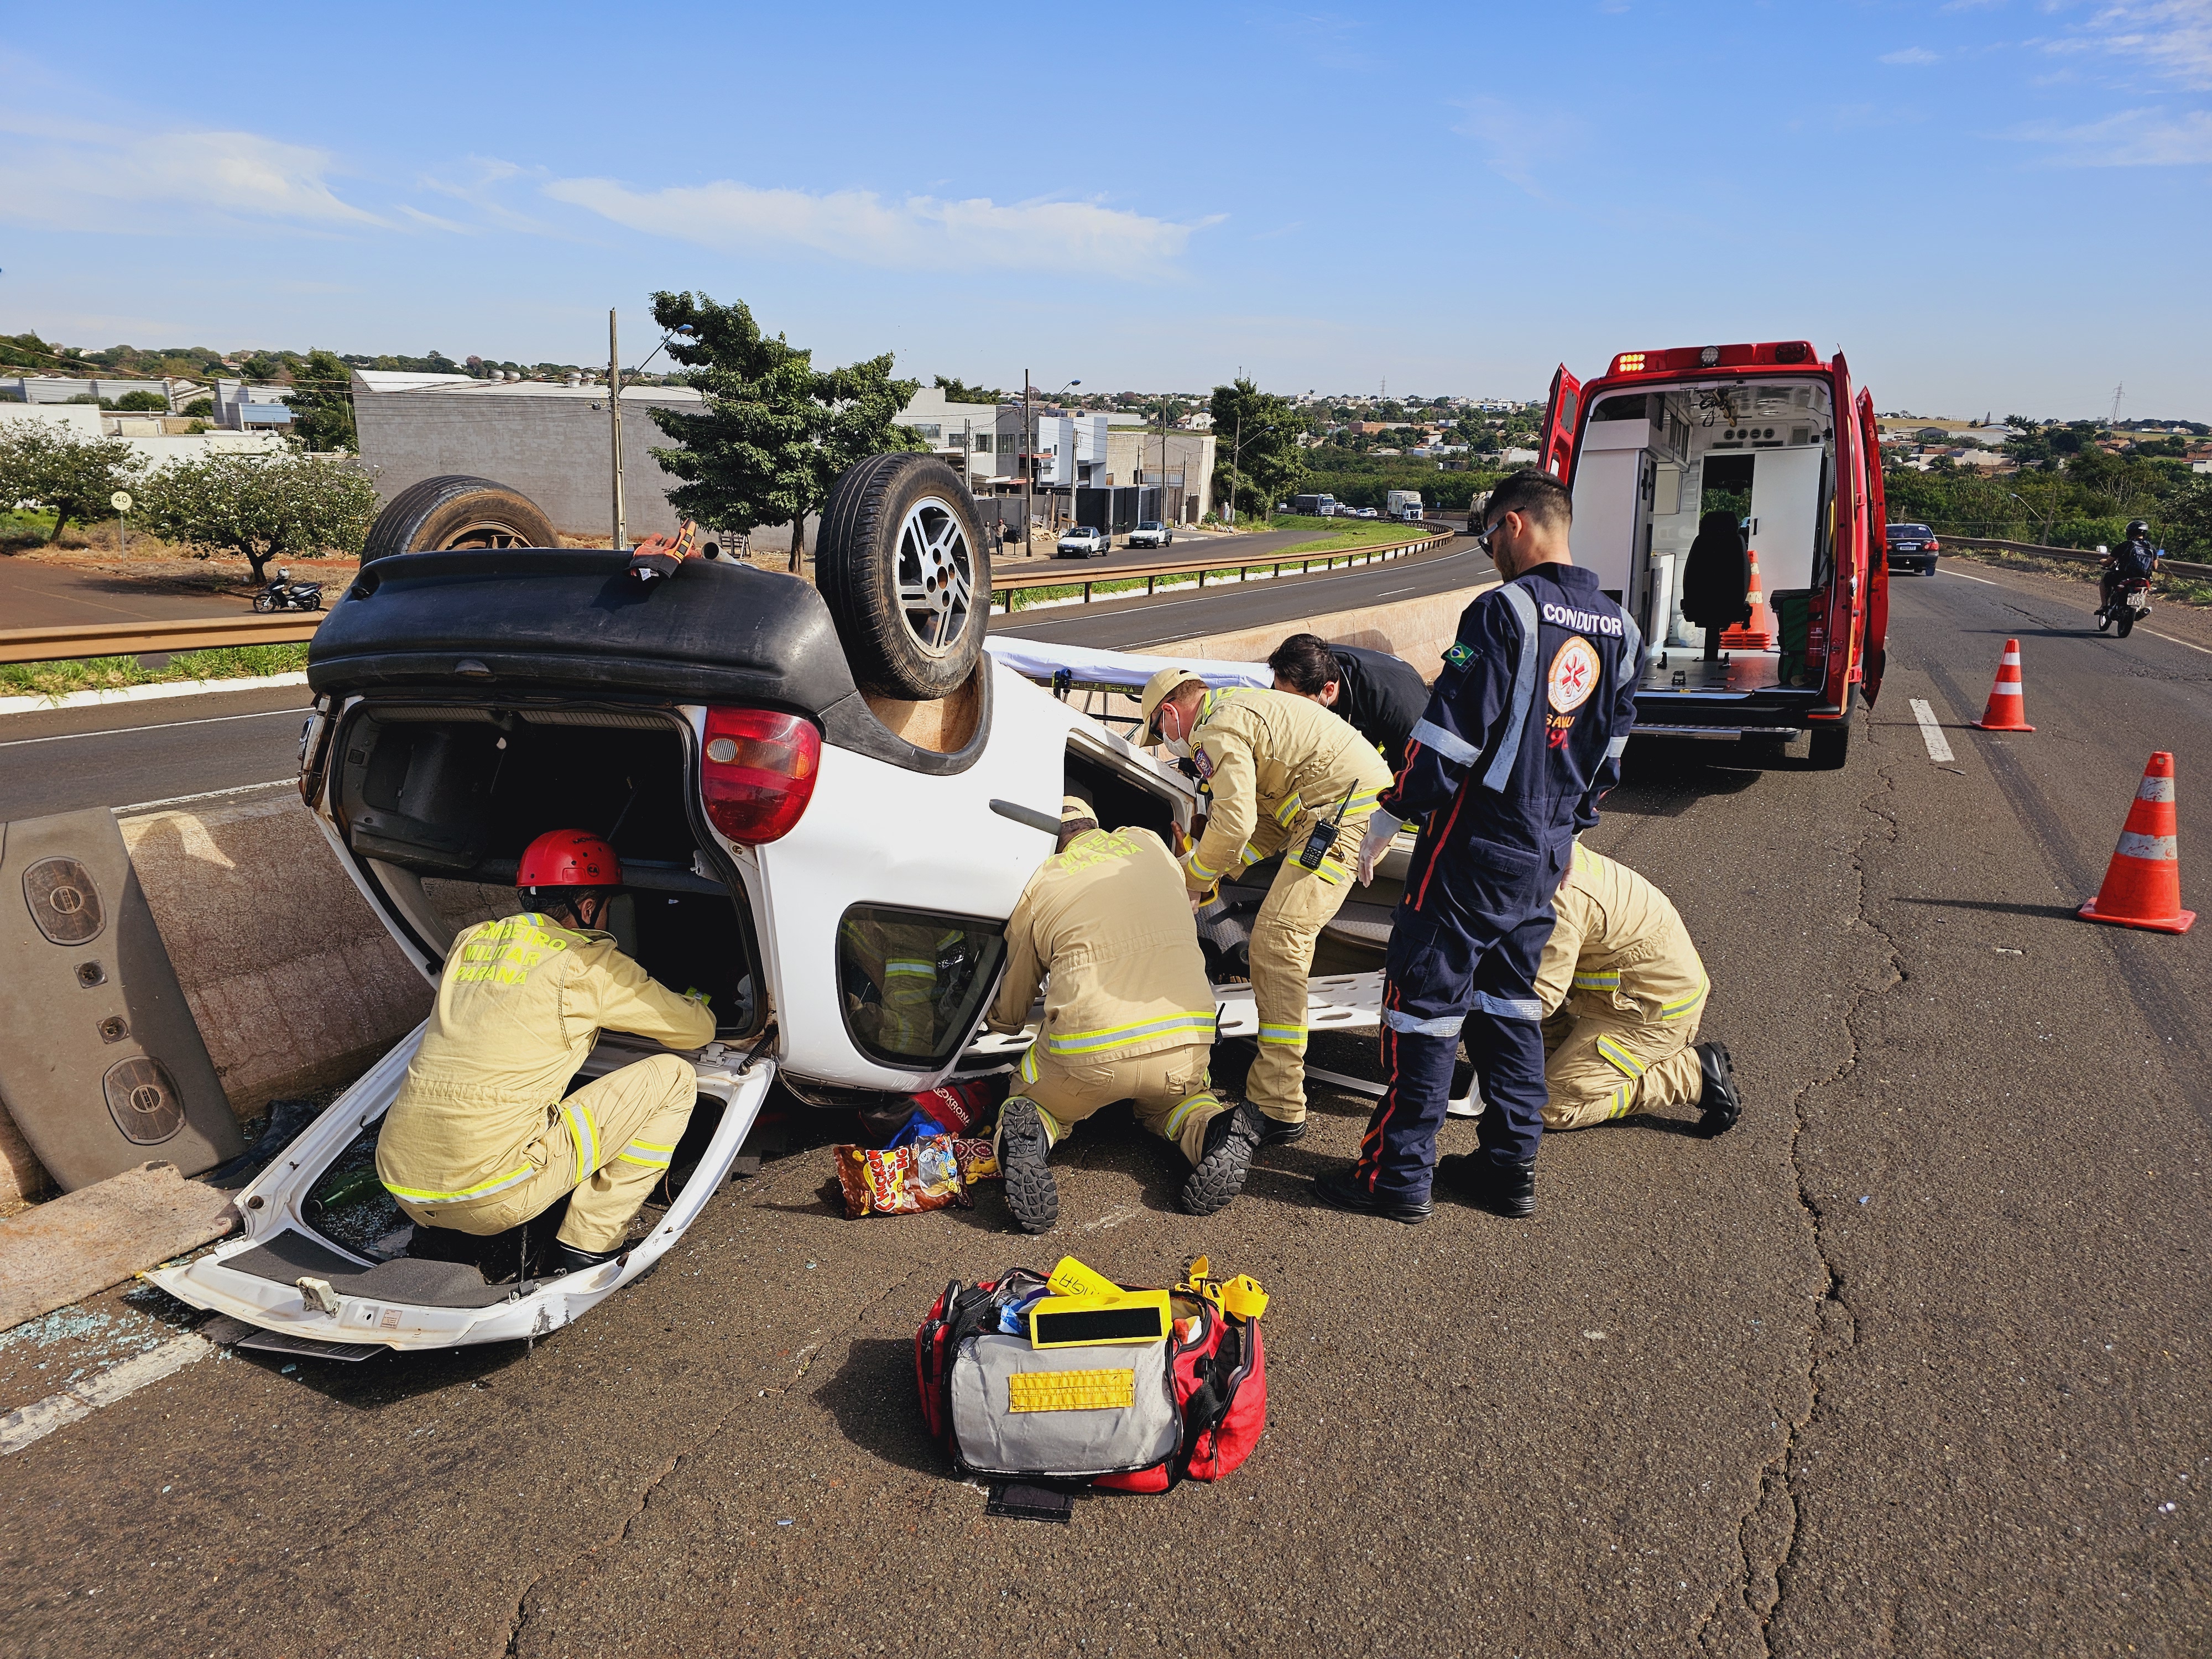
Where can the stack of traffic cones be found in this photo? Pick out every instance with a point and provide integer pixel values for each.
(1758, 634)
(2007, 709)
(2142, 884)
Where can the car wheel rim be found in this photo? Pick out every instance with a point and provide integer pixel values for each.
(936, 576)
(483, 534)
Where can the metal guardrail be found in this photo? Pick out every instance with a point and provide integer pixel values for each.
(2073, 555)
(133, 639)
(198, 634)
(1011, 582)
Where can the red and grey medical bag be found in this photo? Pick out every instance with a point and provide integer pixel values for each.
(1075, 1379)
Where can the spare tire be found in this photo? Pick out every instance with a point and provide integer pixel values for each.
(455, 511)
(905, 570)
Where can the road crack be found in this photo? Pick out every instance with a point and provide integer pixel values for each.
(805, 1357)
(1768, 1534)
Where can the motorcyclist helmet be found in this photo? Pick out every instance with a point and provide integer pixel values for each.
(284, 573)
(2138, 530)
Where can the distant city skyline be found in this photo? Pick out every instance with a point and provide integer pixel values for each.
(1995, 204)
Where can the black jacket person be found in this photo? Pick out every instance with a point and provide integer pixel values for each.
(1380, 694)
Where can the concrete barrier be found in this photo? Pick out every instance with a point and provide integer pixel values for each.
(1416, 629)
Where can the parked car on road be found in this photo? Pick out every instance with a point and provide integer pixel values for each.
(1150, 532)
(1912, 547)
(1082, 542)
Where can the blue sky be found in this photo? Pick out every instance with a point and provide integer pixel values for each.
(1991, 205)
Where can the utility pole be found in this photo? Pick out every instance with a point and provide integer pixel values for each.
(614, 413)
(1029, 465)
(1236, 468)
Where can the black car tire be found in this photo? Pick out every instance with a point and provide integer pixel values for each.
(457, 511)
(906, 573)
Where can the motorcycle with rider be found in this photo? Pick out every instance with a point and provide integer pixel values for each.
(2123, 588)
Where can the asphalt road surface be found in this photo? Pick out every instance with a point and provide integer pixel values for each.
(1913, 1362)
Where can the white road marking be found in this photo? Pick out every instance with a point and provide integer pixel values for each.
(204, 794)
(165, 725)
(2170, 639)
(1939, 746)
(35, 1421)
(1964, 577)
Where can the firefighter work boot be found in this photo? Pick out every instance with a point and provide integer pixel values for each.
(1720, 1105)
(1338, 1190)
(1506, 1189)
(567, 1259)
(1219, 1174)
(1032, 1193)
(1274, 1132)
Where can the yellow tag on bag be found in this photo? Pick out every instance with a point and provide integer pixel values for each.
(1071, 1391)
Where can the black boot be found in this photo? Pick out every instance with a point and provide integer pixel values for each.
(567, 1259)
(1506, 1189)
(1720, 1105)
(1032, 1193)
(1340, 1191)
(1274, 1132)
(1219, 1176)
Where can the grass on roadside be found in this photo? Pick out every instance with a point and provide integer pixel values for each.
(230, 662)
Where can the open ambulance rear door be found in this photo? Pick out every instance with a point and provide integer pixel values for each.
(1557, 445)
(1877, 553)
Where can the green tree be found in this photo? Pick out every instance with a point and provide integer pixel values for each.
(71, 477)
(322, 404)
(264, 507)
(151, 403)
(1269, 466)
(775, 431)
(957, 391)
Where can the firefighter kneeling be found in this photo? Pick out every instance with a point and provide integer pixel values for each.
(1623, 990)
(1128, 1015)
(479, 1140)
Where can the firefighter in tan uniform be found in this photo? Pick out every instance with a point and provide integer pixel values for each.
(1280, 767)
(1623, 991)
(479, 1139)
(1128, 1015)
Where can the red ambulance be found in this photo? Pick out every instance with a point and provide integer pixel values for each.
(1772, 434)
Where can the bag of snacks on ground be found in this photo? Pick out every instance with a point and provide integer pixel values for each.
(924, 1176)
(977, 1161)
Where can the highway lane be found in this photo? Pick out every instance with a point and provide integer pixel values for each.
(60, 761)
(1913, 1362)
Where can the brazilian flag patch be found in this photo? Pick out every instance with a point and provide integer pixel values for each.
(1460, 654)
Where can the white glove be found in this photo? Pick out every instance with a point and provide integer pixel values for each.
(1381, 830)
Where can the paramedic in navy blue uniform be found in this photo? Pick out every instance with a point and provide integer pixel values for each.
(1523, 732)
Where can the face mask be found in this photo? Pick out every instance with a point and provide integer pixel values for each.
(1179, 747)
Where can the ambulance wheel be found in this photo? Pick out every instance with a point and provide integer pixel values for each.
(1830, 748)
(438, 514)
(906, 571)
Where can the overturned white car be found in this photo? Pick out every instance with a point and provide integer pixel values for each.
(794, 780)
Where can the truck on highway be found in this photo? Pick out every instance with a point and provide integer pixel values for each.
(1404, 505)
(1314, 506)
(1775, 435)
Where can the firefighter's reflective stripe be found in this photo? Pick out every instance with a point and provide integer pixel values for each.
(894, 968)
(1295, 1034)
(1248, 856)
(585, 1133)
(1180, 1115)
(1029, 1064)
(651, 1154)
(1290, 809)
(1623, 1061)
(1524, 690)
(1199, 1023)
(1681, 1006)
(1363, 800)
(1208, 876)
(481, 1189)
(1621, 1097)
(1609, 980)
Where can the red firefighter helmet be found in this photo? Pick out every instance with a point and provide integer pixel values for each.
(568, 858)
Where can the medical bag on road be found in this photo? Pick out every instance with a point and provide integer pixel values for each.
(1076, 1379)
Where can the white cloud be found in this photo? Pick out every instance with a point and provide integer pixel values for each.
(1913, 56)
(2172, 38)
(2133, 138)
(912, 233)
(78, 176)
(1517, 138)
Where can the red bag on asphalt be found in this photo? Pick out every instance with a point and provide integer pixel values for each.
(1127, 1417)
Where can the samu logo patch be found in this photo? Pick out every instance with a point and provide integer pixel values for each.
(1573, 676)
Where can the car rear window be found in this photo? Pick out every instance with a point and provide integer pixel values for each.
(912, 983)
(1910, 533)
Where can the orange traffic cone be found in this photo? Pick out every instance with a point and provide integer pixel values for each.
(1758, 634)
(2142, 883)
(2006, 708)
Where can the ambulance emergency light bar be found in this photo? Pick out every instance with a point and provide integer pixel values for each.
(1677, 359)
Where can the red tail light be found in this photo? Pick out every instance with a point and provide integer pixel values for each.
(756, 772)
(1934, 546)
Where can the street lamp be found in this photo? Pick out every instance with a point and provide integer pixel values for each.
(2046, 519)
